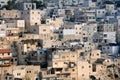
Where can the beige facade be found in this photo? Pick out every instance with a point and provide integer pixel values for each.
(30, 36)
(44, 33)
(26, 72)
(43, 30)
(12, 34)
(95, 54)
(5, 57)
(70, 61)
(74, 65)
(107, 33)
(31, 17)
(110, 7)
(3, 29)
(65, 64)
(10, 14)
(56, 23)
(85, 31)
(84, 70)
(5, 44)
(23, 48)
(13, 28)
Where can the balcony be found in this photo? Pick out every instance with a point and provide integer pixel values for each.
(58, 72)
(64, 76)
(49, 76)
(66, 70)
(6, 64)
(5, 58)
(6, 61)
(12, 34)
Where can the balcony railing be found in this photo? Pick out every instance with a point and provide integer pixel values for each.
(5, 58)
(12, 34)
(6, 64)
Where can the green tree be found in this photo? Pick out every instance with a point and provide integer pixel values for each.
(10, 5)
(39, 4)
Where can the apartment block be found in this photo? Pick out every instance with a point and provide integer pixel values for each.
(6, 58)
(30, 17)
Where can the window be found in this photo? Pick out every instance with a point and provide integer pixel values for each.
(40, 52)
(15, 59)
(83, 33)
(82, 54)
(6, 78)
(28, 71)
(63, 56)
(82, 67)
(101, 66)
(2, 2)
(94, 68)
(18, 74)
(35, 72)
(32, 54)
(98, 11)
(16, 16)
(34, 30)
(73, 70)
(105, 41)
(73, 79)
(8, 53)
(10, 78)
(89, 17)
(2, 29)
(66, 69)
(82, 74)
(21, 12)
(97, 54)
(105, 35)
(35, 23)
(3, 13)
(44, 29)
(26, 6)
(89, 66)
(36, 78)
(30, 5)
(65, 63)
